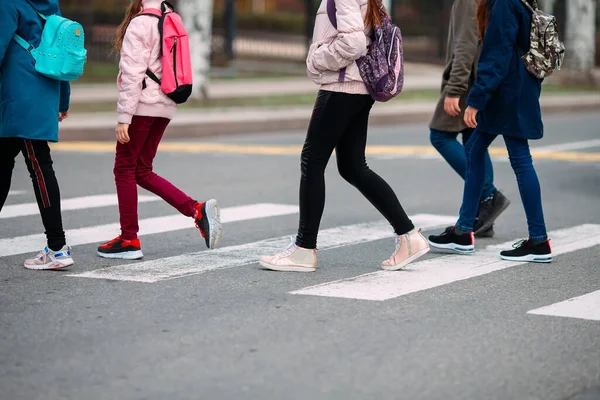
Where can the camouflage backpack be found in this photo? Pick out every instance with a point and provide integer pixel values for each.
(546, 51)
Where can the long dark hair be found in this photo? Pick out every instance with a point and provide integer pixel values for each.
(483, 14)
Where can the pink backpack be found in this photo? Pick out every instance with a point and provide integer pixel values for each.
(174, 52)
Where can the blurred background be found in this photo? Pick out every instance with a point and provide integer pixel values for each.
(270, 37)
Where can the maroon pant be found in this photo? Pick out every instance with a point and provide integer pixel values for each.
(133, 166)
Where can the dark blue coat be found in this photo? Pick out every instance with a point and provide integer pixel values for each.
(29, 102)
(505, 93)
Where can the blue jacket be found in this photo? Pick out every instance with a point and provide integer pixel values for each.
(29, 102)
(505, 93)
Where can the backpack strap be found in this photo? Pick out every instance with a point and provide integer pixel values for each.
(332, 14)
(152, 76)
(22, 42)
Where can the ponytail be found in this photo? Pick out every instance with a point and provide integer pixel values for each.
(375, 12)
(134, 9)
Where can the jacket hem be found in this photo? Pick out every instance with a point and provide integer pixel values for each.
(352, 87)
(156, 110)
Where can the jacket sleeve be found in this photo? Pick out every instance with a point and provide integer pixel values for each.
(498, 49)
(350, 43)
(466, 44)
(8, 27)
(65, 96)
(135, 58)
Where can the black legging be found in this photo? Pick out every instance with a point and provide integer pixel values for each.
(47, 193)
(339, 121)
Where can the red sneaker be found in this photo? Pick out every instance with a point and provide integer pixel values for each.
(208, 220)
(121, 248)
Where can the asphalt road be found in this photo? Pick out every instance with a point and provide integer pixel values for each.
(223, 328)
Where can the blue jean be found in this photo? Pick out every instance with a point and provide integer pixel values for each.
(522, 164)
(455, 155)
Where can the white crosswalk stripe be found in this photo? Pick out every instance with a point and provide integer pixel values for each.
(435, 271)
(582, 307)
(444, 270)
(236, 256)
(77, 203)
(99, 233)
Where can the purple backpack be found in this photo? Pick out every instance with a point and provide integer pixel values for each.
(382, 69)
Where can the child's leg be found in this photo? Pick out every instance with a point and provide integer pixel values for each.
(126, 160)
(156, 184)
(39, 163)
(9, 149)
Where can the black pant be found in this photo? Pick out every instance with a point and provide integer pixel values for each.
(39, 163)
(339, 121)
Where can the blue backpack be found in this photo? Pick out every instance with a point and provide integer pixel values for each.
(61, 54)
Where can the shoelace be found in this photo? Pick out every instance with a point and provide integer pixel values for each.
(110, 242)
(289, 250)
(398, 244)
(520, 243)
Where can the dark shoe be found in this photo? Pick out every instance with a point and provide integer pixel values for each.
(121, 249)
(488, 233)
(208, 220)
(525, 250)
(489, 210)
(450, 241)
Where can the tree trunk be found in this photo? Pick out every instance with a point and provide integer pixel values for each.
(580, 40)
(197, 18)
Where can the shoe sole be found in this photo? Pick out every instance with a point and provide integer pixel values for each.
(493, 218)
(407, 261)
(215, 229)
(452, 248)
(128, 255)
(529, 258)
(51, 266)
(286, 268)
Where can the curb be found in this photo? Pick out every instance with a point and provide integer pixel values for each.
(200, 124)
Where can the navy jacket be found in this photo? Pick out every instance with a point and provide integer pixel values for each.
(505, 93)
(29, 102)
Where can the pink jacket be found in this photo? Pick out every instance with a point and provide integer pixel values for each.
(140, 52)
(333, 49)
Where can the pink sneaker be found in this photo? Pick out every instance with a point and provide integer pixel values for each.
(409, 247)
(293, 259)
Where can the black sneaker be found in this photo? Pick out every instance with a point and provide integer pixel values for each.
(525, 250)
(450, 241)
(488, 233)
(489, 210)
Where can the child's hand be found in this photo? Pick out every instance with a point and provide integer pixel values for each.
(122, 132)
(62, 115)
(471, 117)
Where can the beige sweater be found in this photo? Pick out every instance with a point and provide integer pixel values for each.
(333, 49)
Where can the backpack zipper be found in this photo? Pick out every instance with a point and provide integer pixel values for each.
(174, 51)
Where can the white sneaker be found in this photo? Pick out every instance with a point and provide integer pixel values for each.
(293, 259)
(48, 259)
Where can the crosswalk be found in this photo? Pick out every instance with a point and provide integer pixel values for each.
(435, 271)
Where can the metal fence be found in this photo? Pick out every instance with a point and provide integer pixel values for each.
(280, 36)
